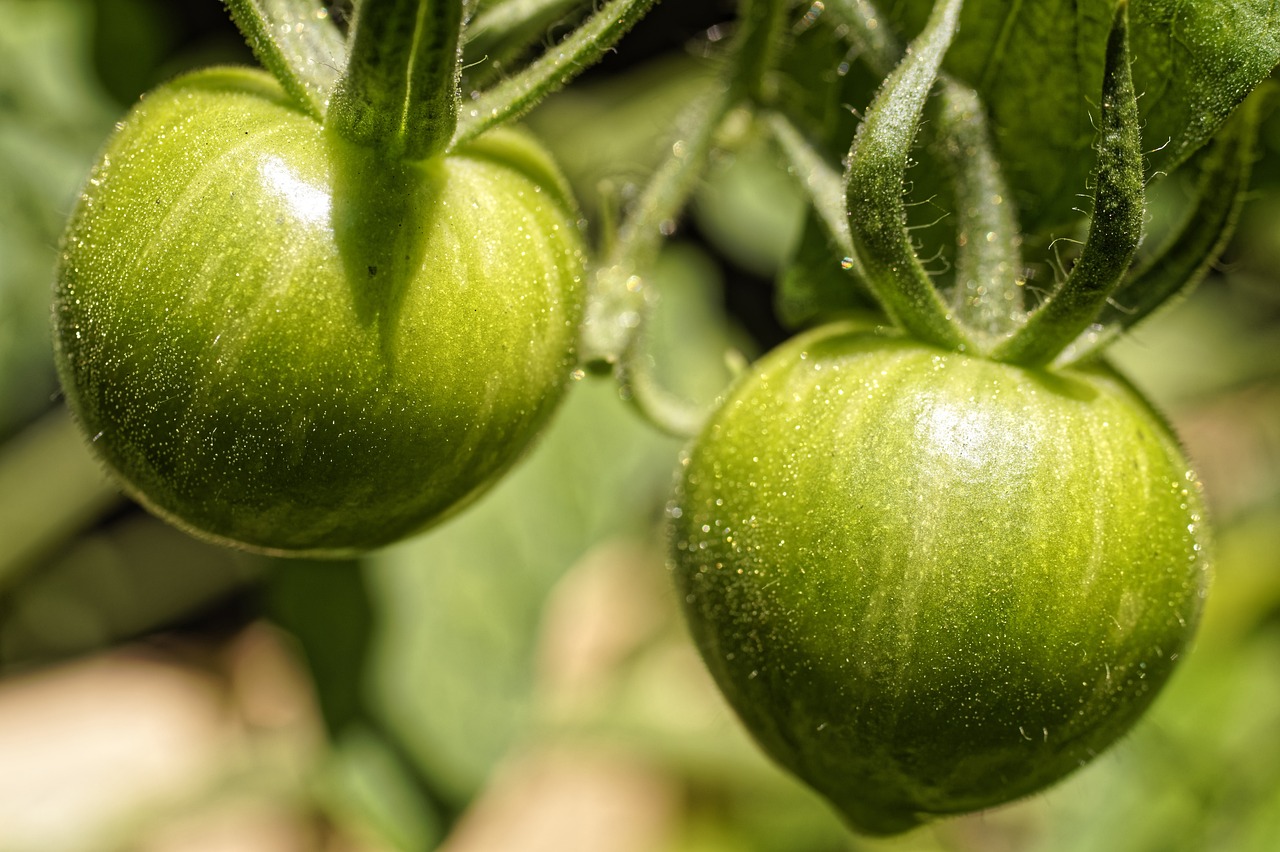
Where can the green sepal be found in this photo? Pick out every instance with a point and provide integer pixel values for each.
(1116, 229)
(298, 43)
(822, 182)
(517, 94)
(1186, 257)
(874, 189)
(501, 34)
(399, 94)
(988, 258)
(986, 296)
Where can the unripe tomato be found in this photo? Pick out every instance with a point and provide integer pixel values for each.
(279, 342)
(931, 583)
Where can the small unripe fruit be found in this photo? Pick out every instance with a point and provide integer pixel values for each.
(930, 583)
(278, 341)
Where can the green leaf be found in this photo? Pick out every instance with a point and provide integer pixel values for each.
(1038, 66)
(53, 116)
(459, 609)
(326, 606)
(749, 208)
(366, 785)
(130, 578)
(297, 42)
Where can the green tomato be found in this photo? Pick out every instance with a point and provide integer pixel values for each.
(931, 583)
(279, 342)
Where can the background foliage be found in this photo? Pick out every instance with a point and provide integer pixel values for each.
(518, 678)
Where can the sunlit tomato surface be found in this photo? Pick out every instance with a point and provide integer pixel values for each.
(931, 583)
(279, 342)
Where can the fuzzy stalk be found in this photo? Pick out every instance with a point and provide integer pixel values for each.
(399, 93)
(1116, 228)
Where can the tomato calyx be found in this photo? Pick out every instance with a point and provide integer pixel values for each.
(877, 165)
(398, 94)
(987, 312)
(394, 84)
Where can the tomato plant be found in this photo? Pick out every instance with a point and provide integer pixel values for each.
(935, 550)
(936, 572)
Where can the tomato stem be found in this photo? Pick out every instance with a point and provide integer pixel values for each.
(638, 384)
(298, 43)
(1116, 229)
(617, 308)
(399, 93)
(874, 189)
(865, 30)
(616, 286)
(823, 183)
(757, 47)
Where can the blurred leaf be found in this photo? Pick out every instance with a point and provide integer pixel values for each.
(816, 75)
(749, 207)
(1210, 342)
(1246, 596)
(131, 39)
(1038, 66)
(1201, 768)
(452, 669)
(52, 118)
(617, 130)
(687, 335)
(51, 486)
(129, 578)
(326, 606)
(369, 787)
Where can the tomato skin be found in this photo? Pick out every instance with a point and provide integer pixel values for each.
(226, 340)
(930, 583)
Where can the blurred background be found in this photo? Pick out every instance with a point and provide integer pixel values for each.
(519, 679)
